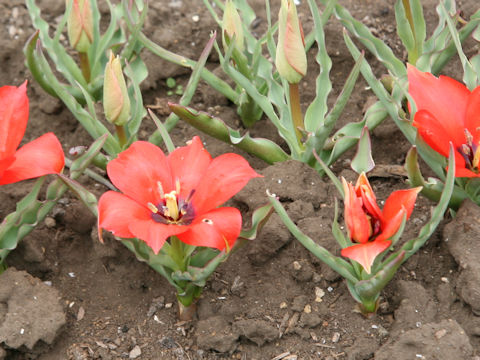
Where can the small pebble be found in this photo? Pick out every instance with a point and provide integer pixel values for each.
(195, 18)
(307, 309)
(283, 305)
(319, 294)
(335, 337)
(135, 352)
(50, 222)
(168, 305)
(440, 333)
(296, 265)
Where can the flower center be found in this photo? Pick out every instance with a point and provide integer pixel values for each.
(470, 153)
(172, 209)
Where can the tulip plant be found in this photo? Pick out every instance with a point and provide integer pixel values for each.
(373, 242)
(426, 58)
(35, 159)
(167, 211)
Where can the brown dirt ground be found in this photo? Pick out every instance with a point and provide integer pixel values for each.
(254, 305)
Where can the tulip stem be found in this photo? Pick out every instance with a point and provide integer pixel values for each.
(122, 138)
(412, 56)
(85, 65)
(296, 111)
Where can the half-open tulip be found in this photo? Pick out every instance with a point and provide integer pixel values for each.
(369, 226)
(175, 195)
(37, 158)
(447, 112)
(291, 60)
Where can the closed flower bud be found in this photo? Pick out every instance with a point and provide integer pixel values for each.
(232, 26)
(116, 103)
(80, 25)
(291, 60)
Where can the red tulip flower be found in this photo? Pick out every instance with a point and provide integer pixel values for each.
(174, 195)
(40, 157)
(447, 112)
(369, 226)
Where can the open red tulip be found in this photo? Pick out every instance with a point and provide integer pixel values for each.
(368, 225)
(175, 195)
(39, 157)
(447, 112)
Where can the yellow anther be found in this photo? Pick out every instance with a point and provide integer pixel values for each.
(476, 158)
(152, 208)
(171, 205)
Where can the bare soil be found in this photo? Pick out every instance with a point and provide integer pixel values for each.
(272, 299)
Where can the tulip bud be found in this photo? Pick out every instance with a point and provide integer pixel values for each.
(80, 25)
(116, 103)
(291, 60)
(232, 26)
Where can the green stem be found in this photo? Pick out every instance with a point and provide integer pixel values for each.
(412, 56)
(85, 65)
(178, 253)
(296, 111)
(408, 13)
(122, 137)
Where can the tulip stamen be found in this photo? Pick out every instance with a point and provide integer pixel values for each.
(470, 152)
(172, 209)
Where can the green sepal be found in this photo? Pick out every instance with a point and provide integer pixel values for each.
(363, 161)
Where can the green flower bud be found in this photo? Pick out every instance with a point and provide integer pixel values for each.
(80, 25)
(232, 26)
(116, 103)
(291, 60)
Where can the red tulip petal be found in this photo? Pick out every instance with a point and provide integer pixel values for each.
(226, 175)
(189, 164)
(365, 254)
(390, 228)
(5, 163)
(356, 220)
(472, 115)
(398, 200)
(153, 233)
(435, 134)
(444, 98)
(137, 170)
(464, 172)
(214, 229)
(364, 190)
(39, 157)
(13, 118)
(116, 211)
